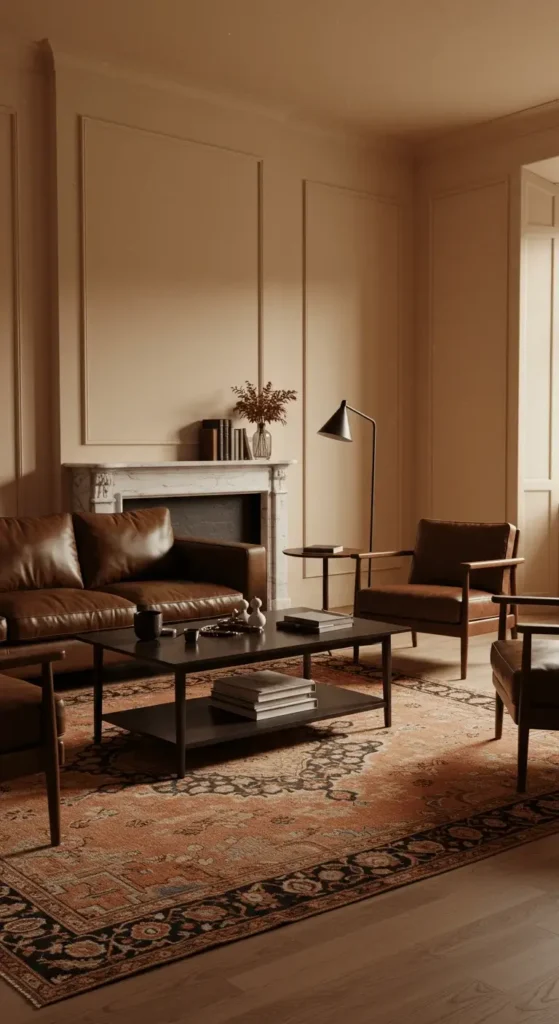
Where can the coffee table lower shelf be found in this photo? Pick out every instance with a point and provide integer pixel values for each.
(207, 726)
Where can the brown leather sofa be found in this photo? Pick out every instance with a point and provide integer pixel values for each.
(61, 575)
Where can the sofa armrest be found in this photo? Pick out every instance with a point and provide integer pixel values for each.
(242, 567)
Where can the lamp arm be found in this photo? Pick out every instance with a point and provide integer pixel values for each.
(362, 414)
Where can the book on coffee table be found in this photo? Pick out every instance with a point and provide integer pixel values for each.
(313, 621)
(263, 695)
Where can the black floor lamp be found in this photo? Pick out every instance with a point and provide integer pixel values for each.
(337, 427)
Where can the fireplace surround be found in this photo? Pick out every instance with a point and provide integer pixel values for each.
(106, 487)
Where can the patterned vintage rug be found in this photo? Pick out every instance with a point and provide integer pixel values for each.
(154, 870)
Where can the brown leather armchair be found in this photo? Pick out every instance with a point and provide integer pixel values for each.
(439, 597)
(31, 726)
(526, 678)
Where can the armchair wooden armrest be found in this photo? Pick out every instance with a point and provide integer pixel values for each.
(543, 628)
(381, 554)
(524, 599)
(30, 658)
(494, 563)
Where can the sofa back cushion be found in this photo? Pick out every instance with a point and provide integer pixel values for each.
(441, 547)
(38, 553)
(123, 545)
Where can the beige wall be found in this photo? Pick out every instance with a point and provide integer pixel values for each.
(471, 439)
(539, 380)
(193, 246)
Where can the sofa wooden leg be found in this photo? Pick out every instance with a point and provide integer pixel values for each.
(414, 638)
(523, 737)
(464, 655)
(498, 717)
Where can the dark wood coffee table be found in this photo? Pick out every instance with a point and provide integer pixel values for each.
(205, 725)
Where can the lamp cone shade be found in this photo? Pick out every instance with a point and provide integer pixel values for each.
(337, 427)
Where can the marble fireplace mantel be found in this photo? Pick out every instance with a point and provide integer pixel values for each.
(103, 487)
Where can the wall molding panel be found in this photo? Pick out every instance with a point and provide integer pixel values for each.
(467, 399)
(253, 167)
(11, 463)
(364, 235)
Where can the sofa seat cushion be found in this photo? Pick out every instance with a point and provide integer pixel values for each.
(21, 715)
(37, 553)
(179, 599)
(37, 614)
(543, 681)
(422, 602)
(124, 545)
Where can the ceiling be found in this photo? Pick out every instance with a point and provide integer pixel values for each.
(406, 67)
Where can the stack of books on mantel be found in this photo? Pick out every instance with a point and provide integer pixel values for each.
(263, 695)
(306, 620)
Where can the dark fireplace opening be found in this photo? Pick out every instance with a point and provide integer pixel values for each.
(233, 517)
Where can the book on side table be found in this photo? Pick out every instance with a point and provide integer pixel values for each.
(263, 695)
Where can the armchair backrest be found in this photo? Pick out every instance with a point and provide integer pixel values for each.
(441, 547)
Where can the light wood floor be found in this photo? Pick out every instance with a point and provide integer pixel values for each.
(476, 945)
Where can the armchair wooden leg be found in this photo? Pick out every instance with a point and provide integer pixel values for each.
(464, 655)
(498, 717)
(414, 638)
(52, 769)
(523, 737)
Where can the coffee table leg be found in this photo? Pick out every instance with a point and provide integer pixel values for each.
(307, 666)
(97, 693)
(387, 679)
(180, 721)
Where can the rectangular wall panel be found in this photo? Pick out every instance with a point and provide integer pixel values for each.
(352, 298)
(538, 338)
(539, 571)
(8, 322)
(170, 283)
(469, 353)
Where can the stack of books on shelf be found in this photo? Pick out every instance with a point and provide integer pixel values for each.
(263, 695)
(221, 442)
(307, 620)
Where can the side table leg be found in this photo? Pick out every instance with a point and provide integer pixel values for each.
(97, 693)
(387, 679)
(307, 666)
(180, 721)
(325, 595)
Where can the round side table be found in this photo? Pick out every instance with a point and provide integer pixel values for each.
(344, 553)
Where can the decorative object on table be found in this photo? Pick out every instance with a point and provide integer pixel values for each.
(308, 552)
(243, 611)
(148, 623)
(191, 637)
(307, 620)
(256, 617)
(263, 695)
(338, 428)
(262, 405)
